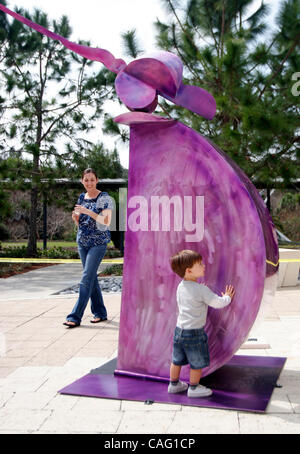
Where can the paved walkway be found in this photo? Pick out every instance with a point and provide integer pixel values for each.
(42, 282)
(39, 356)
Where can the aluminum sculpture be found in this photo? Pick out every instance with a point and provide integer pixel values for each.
(171, 163)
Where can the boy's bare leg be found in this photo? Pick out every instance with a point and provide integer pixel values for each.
(174, 372)
(195, 375)
(175, 385)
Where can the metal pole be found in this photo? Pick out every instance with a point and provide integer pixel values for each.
(45, 221)
(122, 243)
(269, 200)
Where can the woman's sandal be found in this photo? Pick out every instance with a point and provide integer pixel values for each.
(71, 326)
(98, 320)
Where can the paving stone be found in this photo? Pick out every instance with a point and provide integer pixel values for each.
(5, 372)
(22, 420)
(30, 381)
(61, 402)
(294, 398)
(280, 402)
(130, 405)
(28, 401)
(29, 372)
(71, 422)
(146, 422)
(205, 421)
(5, 397)
(90, 404)
(22, 385)
(269, 424)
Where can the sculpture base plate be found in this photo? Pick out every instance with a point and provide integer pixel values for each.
(245, 383)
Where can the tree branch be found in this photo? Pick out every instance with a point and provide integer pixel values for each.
(187, 35)
(296, 41)
(25, 84)
(184, 60)
(265, 161)
(60, 117)
(222, 31)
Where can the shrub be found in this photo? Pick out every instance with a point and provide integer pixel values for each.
(290, 201)
(112, 253)
(116, 270)
(56, 252)
(14, 252)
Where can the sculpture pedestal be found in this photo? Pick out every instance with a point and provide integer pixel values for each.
(245, 383)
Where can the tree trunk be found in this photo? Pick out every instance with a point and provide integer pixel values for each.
(32, 246)
(32, 240)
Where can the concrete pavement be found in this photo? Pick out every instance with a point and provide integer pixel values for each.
(42, 282)
(39, 356)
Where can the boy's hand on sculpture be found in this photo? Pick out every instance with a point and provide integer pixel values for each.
(229, 291)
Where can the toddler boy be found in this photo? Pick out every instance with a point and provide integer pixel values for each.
(190, 340)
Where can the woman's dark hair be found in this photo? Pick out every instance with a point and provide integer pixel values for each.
(183, 260)
(89, 170)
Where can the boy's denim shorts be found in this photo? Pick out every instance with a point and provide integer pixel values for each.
(190, 347)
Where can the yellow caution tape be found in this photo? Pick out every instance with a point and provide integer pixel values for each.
(25, 260)
(283, 261)
(118, 261)
(271, 263)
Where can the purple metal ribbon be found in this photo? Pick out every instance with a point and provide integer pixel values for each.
(139, 83)
(168, 159)
(91, 53)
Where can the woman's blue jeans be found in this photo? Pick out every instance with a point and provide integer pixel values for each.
(89, 285)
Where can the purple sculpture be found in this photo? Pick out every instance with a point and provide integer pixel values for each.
(217, 211)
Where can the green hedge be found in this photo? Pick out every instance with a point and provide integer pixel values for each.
(116, 270)
(56, 252)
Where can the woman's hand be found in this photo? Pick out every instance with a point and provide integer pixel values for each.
(75, 217)
(79, 209)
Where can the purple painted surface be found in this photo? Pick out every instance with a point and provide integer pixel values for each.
(236, 233)
(136, 118)
(154, 73)
(195, 99)
(170, 159)
(137, 85)
(270, 236)
(135, 93)
(173, 63)
(246, 383)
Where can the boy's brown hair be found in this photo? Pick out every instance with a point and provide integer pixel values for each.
(183, 260)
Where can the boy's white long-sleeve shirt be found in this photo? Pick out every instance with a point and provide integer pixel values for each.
(193, 300)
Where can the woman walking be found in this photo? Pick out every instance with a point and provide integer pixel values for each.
(92, 214)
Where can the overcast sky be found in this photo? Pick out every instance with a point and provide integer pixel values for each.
(102, 21)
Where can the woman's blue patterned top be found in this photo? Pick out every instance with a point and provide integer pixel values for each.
(91, 233)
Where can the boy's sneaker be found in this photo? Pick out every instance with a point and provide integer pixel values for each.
(200, 391)
(179, 388)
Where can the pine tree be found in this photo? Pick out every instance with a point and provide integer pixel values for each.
(50, 95)
(226, 52)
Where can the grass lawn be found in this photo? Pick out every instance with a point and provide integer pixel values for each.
(50, 244)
